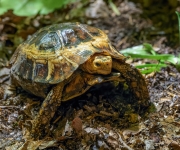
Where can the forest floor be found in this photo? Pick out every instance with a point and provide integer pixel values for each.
(99, 119)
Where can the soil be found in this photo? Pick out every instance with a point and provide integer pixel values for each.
(107, 116)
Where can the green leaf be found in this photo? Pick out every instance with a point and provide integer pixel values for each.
(7, 5)
(178, 15)
(163, 57)
(134, 50)
(49, 6)
(113, 7)
(2, 10)
(148, 47)
(149, 68)
(174, 60)
(150, 65)
(145, 51)
(32, 7)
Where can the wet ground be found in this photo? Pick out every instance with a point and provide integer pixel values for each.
(96, 120)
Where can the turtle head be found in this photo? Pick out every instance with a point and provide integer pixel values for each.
(98, 64)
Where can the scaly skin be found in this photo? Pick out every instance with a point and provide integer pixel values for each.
(47, 110)
(134, 79)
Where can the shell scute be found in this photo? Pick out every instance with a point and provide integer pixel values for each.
(81, 34)
(93, 31)
(40, 71)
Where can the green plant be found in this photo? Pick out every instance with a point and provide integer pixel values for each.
(114, 7)
(178, 15)
(146, 51)
(32, 7)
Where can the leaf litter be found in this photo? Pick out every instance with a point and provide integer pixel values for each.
(95, 120)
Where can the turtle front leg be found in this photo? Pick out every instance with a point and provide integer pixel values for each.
(47, 110)
(134, 79)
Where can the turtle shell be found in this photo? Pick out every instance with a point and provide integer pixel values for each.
(53, 53)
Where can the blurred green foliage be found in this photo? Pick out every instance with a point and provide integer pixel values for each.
(178, 15)
(146, 51)
(113, 7)
(32, 7)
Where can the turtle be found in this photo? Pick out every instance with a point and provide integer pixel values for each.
(62, 61)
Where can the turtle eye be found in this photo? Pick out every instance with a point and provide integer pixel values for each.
(50, 42)
(97, 64)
